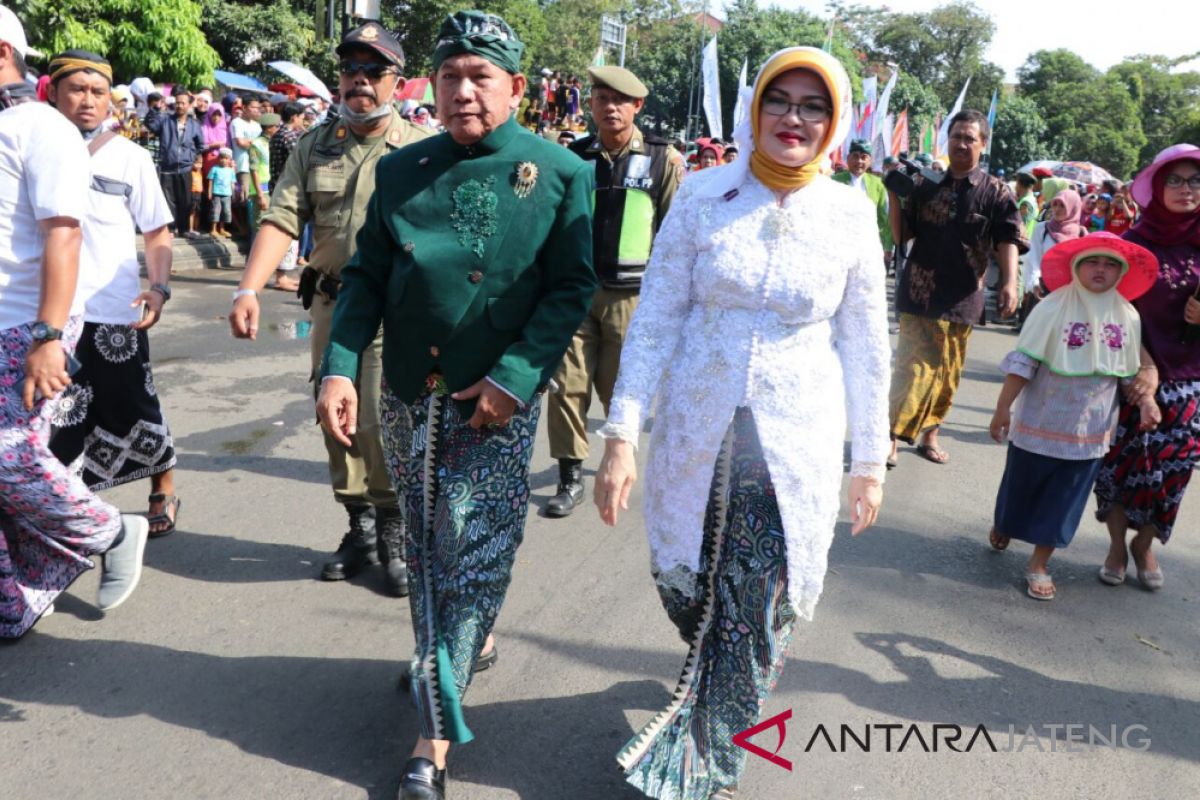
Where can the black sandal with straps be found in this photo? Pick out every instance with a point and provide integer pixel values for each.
(170, 502)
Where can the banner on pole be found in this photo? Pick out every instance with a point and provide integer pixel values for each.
(899, 134)
(739, 108)
(944, 129)
(712, 89)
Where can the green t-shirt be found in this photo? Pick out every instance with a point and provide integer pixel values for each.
(260, 163)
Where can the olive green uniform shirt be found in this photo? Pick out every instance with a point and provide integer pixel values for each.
(329, 179)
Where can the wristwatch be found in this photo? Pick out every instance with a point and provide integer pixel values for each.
(45, 332)
(162, 289)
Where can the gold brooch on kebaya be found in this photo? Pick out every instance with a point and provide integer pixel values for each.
(527, 175)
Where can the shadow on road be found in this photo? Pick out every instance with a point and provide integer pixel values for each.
(339, 717)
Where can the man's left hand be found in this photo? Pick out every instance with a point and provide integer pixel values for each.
(494, 409)
(1006, 301)
(154, 306)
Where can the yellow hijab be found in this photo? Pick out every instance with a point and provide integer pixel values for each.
(778, 176)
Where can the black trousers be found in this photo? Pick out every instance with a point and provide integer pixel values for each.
(177, 186)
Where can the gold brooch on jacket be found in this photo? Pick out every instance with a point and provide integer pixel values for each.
(527, 175)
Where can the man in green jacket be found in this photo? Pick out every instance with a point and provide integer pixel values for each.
(476, 255)
(858, 174)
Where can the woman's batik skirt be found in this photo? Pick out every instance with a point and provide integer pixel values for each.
(466, 494)
(738, 623)
(51, 521)
(1147, 472)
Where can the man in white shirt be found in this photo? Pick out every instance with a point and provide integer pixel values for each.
(112, 430)
(243, 130)
(51, 521)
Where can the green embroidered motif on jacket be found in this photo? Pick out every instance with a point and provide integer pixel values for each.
(474, 215)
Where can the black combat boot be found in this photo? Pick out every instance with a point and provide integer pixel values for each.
(389, 524)
(570, 488)
(357, 549)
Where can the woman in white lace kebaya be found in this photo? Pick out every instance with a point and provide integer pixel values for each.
(762, 322)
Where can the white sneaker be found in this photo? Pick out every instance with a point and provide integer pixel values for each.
(121, 567)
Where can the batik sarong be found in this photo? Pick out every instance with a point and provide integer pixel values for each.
(109, 425)
(465, 493)
(929, 362)
(737, 621)
(51, 521)
(1147, 472)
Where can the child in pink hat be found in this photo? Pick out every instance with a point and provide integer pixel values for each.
(1074, 349)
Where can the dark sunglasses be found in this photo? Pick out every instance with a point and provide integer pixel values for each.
(373, 70)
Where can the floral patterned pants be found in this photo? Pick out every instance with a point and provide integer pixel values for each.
(51, 521)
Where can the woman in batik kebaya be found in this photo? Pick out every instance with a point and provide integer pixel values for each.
(762, 317)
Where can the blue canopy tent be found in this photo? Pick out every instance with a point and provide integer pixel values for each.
(240, 82)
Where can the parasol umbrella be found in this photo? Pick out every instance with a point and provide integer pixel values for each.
(236, 81)
(304, 77)
(292, 90)
(1079, 171)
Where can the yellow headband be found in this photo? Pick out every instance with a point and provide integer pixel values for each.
(65, 65)
(773, 174)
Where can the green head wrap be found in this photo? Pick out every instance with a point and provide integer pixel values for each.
(479, 34)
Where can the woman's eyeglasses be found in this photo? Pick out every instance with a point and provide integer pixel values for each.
(371, 69)
(809, 110)
(1176, 181)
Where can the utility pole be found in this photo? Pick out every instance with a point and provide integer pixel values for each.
(693, 87)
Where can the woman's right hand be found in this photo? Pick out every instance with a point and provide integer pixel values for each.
(614, 481)
(1191, 312)
(1144, 384)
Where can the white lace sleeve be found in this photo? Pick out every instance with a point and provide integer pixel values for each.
(658, 322)
(865, 353)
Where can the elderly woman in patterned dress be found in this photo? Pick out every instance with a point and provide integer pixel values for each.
(762, 315)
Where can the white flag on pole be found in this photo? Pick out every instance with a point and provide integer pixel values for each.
(739, 109)
(881, 110)
(712, 89)
(944, 133)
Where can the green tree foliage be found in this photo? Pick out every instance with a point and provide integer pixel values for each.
(1089, 116)
(1168, 102)
(249, 33)
(1019, 136)
(754, 33)
(160, 39)
(940, 48)
(922, 103)
(1046, 69)
(665, 57)
(416, 24)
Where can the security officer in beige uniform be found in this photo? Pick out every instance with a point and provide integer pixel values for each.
(636, 177)
(328, 179)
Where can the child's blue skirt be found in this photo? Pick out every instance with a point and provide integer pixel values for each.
(1042, 499)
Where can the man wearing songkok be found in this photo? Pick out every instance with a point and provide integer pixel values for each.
(476, 255)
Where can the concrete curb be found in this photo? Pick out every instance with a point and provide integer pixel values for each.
(205, 253)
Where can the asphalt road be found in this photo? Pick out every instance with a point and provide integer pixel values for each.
(232, 673)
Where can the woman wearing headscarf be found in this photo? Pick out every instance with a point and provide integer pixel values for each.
(1061, 225)
(1145, 474)
(764, 283)
(215, 127)
(1050, 189)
